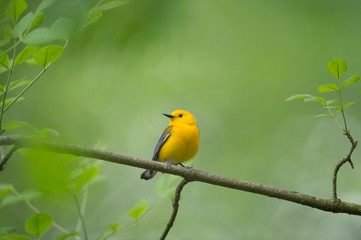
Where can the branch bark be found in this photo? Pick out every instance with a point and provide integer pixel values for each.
(175, 208)
(342, 162)
(328, 205)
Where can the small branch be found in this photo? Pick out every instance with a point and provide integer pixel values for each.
(328, 205)
(175, 208)
(342, 162)
(7, 157)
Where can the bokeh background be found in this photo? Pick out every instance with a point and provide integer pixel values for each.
(230, 63)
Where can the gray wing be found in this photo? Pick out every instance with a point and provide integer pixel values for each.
(161, 142)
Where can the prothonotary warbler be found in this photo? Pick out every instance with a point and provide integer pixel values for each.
(178, 143)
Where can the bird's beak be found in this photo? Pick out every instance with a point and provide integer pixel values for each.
(168, 115)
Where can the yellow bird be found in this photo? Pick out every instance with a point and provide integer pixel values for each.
(178, 143)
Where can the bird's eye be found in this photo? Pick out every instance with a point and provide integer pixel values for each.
(180, 115)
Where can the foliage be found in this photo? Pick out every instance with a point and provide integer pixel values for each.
(334, 106)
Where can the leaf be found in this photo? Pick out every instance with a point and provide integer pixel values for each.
(10, 199)
(15, 9)
(44, 4)
(332, 102)
(170, 192)
(39, 19)
(17, 237)
(315, 99)
(298, 96)
(31, 61)
(336, 67)
(23, 24)
(4, 60)
(9, 100)
(15, 124)
(18, 83)
(324, 115)
(41, 36)
(333, 107)
(64, 27)
(86, 177)
(138, 208)
(38, 224)
(349, 81)
(327, 88)
(347, 105)
(65, 236)
(337, 112)
(48, 55)
(6, 230)
(115, 227)
(93, 17)
(110, 5)
(47, 132)
(31, 194)
(25, 54)
(4, 190)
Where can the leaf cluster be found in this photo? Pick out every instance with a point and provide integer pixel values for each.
(333, 106)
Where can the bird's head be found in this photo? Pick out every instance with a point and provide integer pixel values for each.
(181, 117)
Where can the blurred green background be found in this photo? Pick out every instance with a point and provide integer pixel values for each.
(230, 63)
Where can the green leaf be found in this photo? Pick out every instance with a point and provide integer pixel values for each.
(336, 67)
(347, 105)
(47, 55)
(6, 230)
(40, 36)
(15, 124)
(31, 62)
(138, 209)
(18, 83)
(47, 132)
(327, 88)
(349, 81)
(38, 224)
(31, 194)
(10, 199)
(110, 5)
(93, 17)
(4, 60)
(170, 192)
(298, 96)
(4, 190)
(115, 227)
(324, 115)
(64, 27)
(86, 177)
(9, 100)
(17, 237)
(65, 236)
(25, 54)
(39, 19)
(44, 4)
(315, 99)
(337, 112)
(23, 24)
(332, 102)
(15, 9)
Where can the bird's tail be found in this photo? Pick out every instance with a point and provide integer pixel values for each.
(148, 174)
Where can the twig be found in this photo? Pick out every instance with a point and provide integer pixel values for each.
(328, 205)
(7, 157)
(340, 163)
(175, 208)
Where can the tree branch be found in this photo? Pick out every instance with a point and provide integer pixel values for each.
(328, 205)
(175, 208)
(342, 162)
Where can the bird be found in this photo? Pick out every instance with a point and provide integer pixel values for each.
(178, 143)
